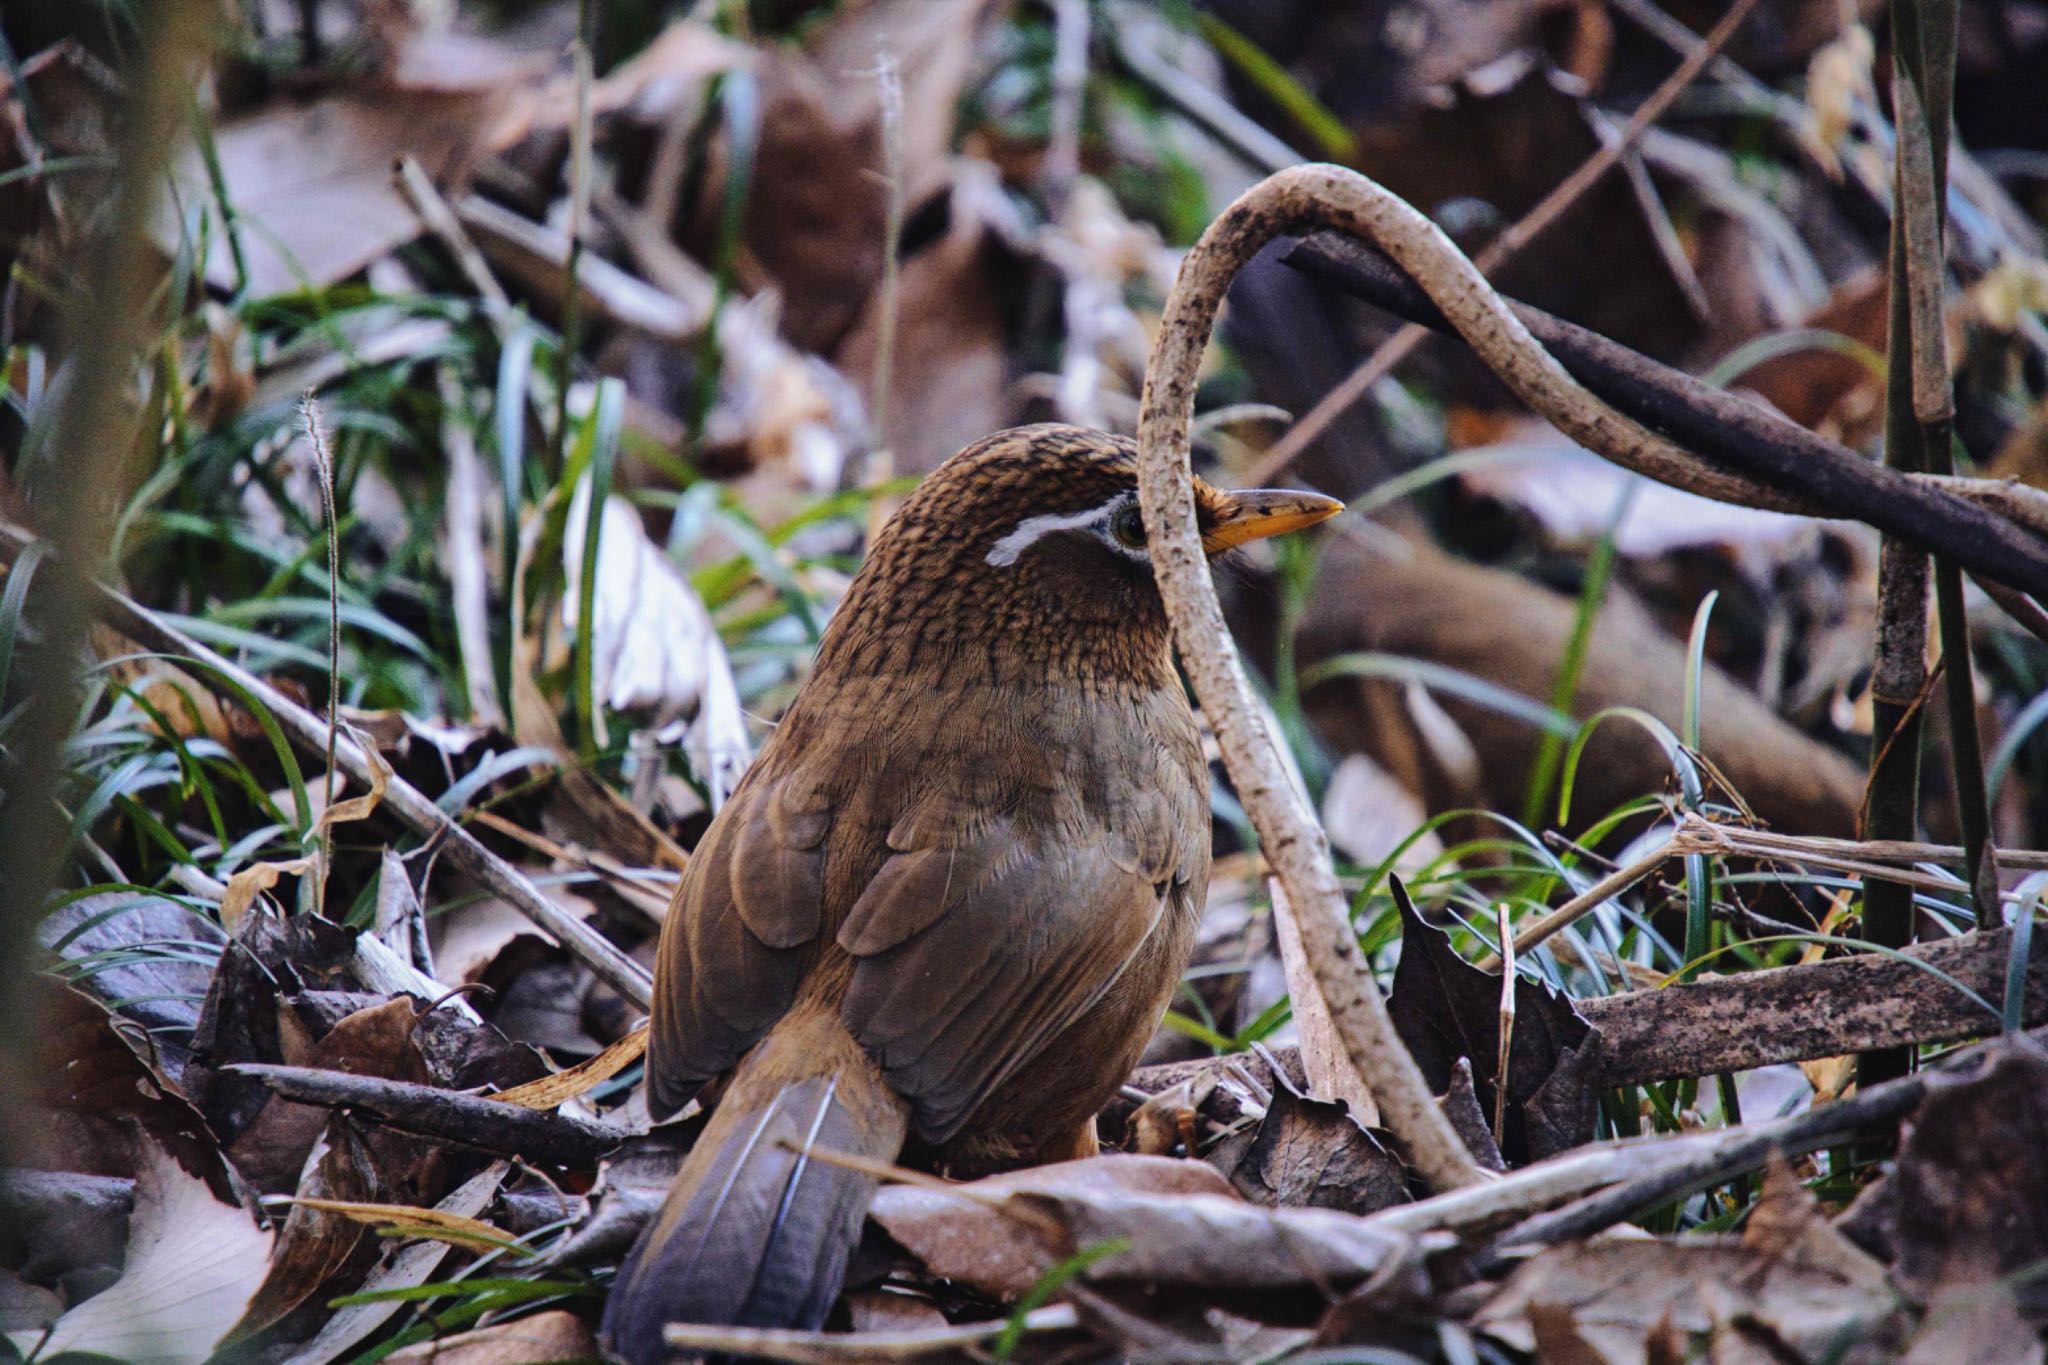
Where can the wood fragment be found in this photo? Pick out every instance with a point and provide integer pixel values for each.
(448, 1115)
(1778, 1015)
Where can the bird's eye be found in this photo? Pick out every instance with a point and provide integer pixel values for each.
(1128, 526)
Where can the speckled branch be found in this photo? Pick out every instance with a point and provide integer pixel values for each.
(1289, 834)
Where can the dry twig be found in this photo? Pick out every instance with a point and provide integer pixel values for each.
(1288, 832)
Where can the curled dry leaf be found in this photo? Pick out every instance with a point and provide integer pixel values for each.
(193, 1265)
(654, 647)
(1445, 1008)
(313, 1245)
(1964, 1212)
(1315, 1153)
(549, 1092)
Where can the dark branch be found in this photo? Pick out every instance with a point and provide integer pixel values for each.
(1730, 431)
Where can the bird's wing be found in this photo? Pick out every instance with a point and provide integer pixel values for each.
(732, 950)
(971, 955)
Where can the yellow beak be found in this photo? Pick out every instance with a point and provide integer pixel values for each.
(1250, 514)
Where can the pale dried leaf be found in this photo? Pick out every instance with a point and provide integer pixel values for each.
(1331, 1074)
(654, 647)
(193, 1265)
(408, 1267)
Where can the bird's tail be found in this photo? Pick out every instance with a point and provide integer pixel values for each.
(757, 1229)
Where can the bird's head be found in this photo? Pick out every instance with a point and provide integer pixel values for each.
(1033, 537)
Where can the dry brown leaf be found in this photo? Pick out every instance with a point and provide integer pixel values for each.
(1618, 1293)
(407, 1267)
(252, 881)
(311, 1245)
(949, 370)
(311, 183)
(817, 203)
(550, 1092)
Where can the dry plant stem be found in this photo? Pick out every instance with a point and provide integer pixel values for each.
(503, 1129)
(1866, 859)
(1898, 669)
(1062, 164)
(1506, 930)
(412, 806)
(323, 463)
(1990, 527)
(433, 210)
(1288, 833)
(863, 1348)
(463, 548)
(76, 495)
(1505, 247)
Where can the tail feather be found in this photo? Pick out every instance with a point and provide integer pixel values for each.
(756, 1231)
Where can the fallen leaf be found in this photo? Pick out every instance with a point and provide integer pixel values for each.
(1314, 1153)
(406, 1267)
(311, 183)
(1331, 1073)
(1964, 1211)
(193, 1265)
(551, 1091)
(653, 645)
(1445, 1008)
(1614, 1294)
(313, 1245)
(949, 367)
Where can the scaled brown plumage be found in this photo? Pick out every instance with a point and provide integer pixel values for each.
(949, 901)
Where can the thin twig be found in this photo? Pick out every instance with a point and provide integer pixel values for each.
(1288, 832)
(1505, 247)
(1744, 1149)
(1506, 927)
(505, 1129)
(433, 210)
(798, 1347)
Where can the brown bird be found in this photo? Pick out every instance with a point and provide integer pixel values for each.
(947, 905)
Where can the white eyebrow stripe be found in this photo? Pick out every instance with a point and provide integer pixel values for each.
(1028, 531)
